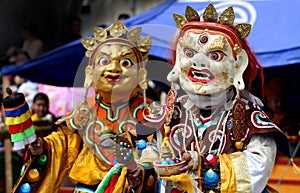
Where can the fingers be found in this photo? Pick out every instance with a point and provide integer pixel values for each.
(136, 173)
(37, 143)
(190, 162)
(36, 147)
(129, 189)
(186, 156)
(189, 166)
(134, 179)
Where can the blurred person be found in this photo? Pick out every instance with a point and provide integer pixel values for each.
(279, 112)
(32, 44)
(25, 86)
(73, 31)
(89, 142)
(40, 110)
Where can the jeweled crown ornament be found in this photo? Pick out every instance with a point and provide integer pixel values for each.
(210, 23)
(118, 32)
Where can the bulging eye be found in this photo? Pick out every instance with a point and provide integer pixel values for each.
(216, 55)
(104, 61)
(203, 39)
(126, 62)
(189, 52)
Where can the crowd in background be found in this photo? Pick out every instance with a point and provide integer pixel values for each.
(286, 118)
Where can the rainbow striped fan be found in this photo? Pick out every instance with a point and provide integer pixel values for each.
(18, 120)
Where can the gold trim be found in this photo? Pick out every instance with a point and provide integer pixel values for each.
(243, 181)
(191, 14)
(210, 14)
(227, 16)
(218, 44)
(179, 19)
(117, 30)
(243, 30)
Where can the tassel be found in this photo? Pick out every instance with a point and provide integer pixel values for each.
(296, 169)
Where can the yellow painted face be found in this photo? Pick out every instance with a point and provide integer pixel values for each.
(115, 69)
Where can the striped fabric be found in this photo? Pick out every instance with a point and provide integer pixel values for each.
(18, 120)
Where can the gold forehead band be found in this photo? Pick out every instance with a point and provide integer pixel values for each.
(117, 30)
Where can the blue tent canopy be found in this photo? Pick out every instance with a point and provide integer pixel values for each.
(274, 37)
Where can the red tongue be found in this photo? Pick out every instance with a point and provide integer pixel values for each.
(112, 77)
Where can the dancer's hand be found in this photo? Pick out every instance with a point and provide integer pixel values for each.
(36, 147)
(190, 162)
(134, 179)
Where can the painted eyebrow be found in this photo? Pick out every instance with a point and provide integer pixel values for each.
(105, 53)
(125, 53)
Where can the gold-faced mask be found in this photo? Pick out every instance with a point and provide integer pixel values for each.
(117, 57)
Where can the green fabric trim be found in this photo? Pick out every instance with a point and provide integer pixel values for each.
(21, 136)
(116, 169)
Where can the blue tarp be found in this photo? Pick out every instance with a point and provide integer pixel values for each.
(274, 37)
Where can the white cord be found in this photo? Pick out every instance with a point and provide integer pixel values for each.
(194, 132)
(224, 127)
(144, 95)
(216, 132)
(184, 130)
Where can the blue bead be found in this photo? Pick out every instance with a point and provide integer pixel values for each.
(164, 163)
(141, 144)
(24, 188)
(211, 178)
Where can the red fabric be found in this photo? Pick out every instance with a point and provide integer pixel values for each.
(13, 129)
(175, 190)
(112, 184)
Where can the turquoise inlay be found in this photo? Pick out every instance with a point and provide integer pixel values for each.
(74, 125)
(136, 110)
(90, 126)
(87, 136)
(262, 122)
(126, 122)
(156, 104)
(108, 112)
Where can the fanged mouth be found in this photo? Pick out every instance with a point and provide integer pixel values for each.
(201, 76)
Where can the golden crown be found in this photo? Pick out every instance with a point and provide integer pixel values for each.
(117, 30)
(210, 15)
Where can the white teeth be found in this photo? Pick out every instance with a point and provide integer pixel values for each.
(200, 75)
